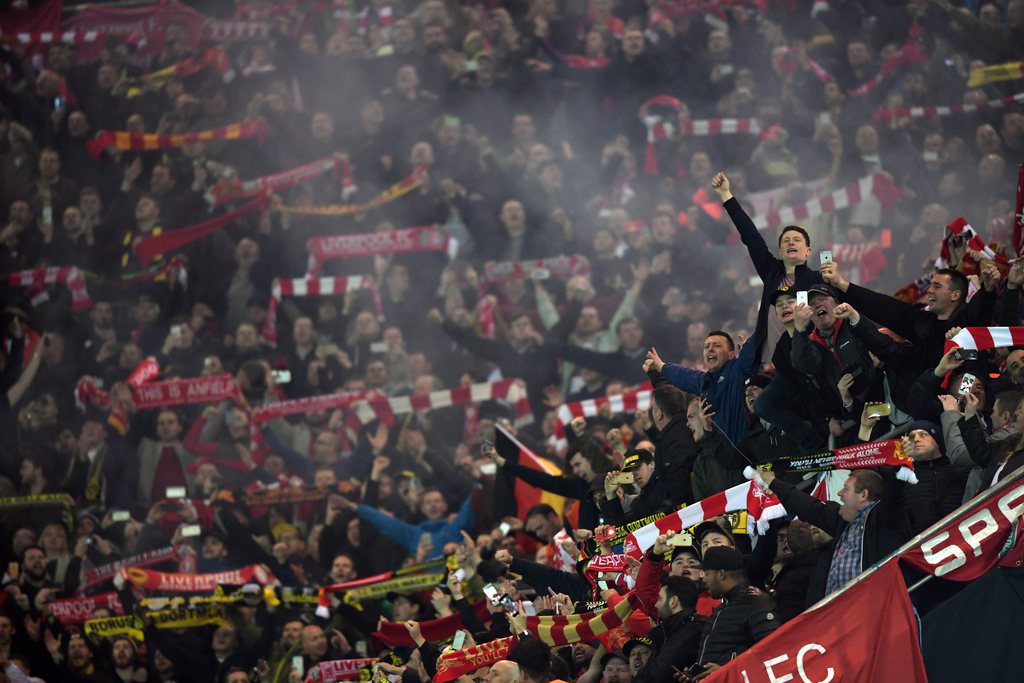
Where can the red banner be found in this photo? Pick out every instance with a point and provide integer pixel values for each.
(195, 583)
(455, 664)
(91, 577)
(77, 611)
(147, 22)
(394, 634)
(852, 639)
(972, 543)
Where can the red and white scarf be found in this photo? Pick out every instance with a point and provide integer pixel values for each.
(877, 185)
(35, 280)
(985, 338)
(761, 508)
(66, 37)
(657, 128)
(227, 30)
(557, 266)
(339, 670)
(175, 392)
(314, 286)
(633, 399)
(885, 114)
(908, 54)
(960, 233)
(387, 409)
(232, 190)
(408, 240)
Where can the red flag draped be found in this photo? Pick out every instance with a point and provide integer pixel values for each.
(850, 639)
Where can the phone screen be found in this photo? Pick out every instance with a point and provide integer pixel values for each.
(801, 298)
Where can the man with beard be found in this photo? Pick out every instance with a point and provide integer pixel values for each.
(76, 665)
(125, 659)
(746, 615)
(679, 626)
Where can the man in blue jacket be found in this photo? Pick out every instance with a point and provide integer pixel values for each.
(437, 526)
(722, 385)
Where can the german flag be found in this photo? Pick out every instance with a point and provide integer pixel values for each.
(526, 495)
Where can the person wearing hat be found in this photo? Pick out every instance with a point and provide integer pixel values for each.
(679, 625)
(788, 271)
(869, 525)
(941, 484)
(826, 350)
(615, 668)
(789, 400)
(638, 651)
(746, 615)
(645, 497)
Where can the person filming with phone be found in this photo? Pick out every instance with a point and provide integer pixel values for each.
(635, 492)
(826, 350)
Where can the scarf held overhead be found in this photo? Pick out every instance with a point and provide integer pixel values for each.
(399, 189)
(147, 142)
(405, 241)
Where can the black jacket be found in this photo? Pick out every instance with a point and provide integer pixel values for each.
(746, 616)
(922, 328)
(675, 453)
(792, 583)
(680, 637)
(653, 499)
(812, 356)
(939, 490)
(769, 267)
(886, 529)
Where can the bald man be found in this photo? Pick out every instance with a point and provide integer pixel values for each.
(504, 672)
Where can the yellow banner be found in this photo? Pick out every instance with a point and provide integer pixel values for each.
(406, 584)
(128, 625)
(984, 75)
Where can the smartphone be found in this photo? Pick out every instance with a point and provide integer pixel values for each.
(492, 593)
(529, 609)
(459, 574)
(174, 492)
(966, 384)
(505, 527)
(878, 410)
(606, 535)
(191, 531)
(379, 347)
(48, 215)
(487, 446)
(510, 607)
(624, 478)
(489, 468)
(298, 665)
(681, 541)
(59, 102)
(176, 331)
(540, 274)
(801, 298)
(965, 354)
(281, 376)
(362, 648)
(120, 516)
(12, 570)
(825, 257)
(695, 670)
(459, 641)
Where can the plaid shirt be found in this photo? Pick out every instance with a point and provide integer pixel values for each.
(848, 558)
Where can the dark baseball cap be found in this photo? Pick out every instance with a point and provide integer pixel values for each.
(722, 557)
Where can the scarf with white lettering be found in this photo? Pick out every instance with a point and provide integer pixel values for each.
(340, 670)
(233, 190)
(35, 280)
(191, 583)
(105, 572)
(886, 453)
(405, 241)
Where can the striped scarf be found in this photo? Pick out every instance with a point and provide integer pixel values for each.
(313, 286)
(144, 142)
(37, 278)
(565, 629)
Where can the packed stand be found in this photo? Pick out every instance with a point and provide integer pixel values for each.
(599, 241)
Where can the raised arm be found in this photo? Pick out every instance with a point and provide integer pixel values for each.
(760, 255)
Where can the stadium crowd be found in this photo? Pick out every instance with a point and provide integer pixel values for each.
(532, 133)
